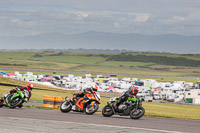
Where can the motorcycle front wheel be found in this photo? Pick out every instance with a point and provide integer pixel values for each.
(137, 114)
(65, 107)
(20, 106)
(15, 102)
(1, 103)
(91, 108)
(107, 111)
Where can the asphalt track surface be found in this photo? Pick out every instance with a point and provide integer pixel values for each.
(30, 120)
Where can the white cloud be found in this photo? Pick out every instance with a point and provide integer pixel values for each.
(142, 17)
(173, 20)
(19, 22)
(82, 14)
(78, 15)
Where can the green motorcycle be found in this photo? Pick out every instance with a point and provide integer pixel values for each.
(16, 98)
(132, 107)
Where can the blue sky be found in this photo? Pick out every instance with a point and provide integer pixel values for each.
(152, 17)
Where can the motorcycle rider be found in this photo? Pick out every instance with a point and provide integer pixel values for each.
(93, 88)
(77, 96)
(28, 88)
(133, 90)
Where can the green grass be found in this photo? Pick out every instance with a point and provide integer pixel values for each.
(192, 56)
(16, 55)
(96, 63)
(128, 64)
(71, 59)
(39, 64)
(122, 70)
(172, 110)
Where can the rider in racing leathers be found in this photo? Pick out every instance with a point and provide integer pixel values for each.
(76, 96)
(28, 88)
(133, 90)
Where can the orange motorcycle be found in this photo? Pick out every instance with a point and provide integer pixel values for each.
(89, 103)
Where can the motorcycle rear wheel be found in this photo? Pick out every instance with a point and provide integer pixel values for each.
(65, 107)
(91, 109)
(107, 111)
(137, 114)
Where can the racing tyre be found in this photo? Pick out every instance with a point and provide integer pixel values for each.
(65, 107)
(20, 106)
(136, 114)
(107, 111)
(15, 102)
(91, 108)
(1, 103)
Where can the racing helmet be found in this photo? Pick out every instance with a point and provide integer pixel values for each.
(134, 90)
(30, 86)
(94, 88)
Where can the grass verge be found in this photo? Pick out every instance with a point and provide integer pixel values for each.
(172, 110)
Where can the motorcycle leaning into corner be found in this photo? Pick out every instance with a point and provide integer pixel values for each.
(15, 98)
(89, 103)
(132, 106)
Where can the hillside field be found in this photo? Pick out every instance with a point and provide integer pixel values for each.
(142, 64)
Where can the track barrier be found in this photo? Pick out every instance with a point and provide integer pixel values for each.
(50, 101)
(58, 101)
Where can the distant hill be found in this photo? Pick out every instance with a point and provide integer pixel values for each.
(102, 40)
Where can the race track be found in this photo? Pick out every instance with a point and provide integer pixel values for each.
(28, 120)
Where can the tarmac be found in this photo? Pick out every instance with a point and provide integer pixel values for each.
(31, 120)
